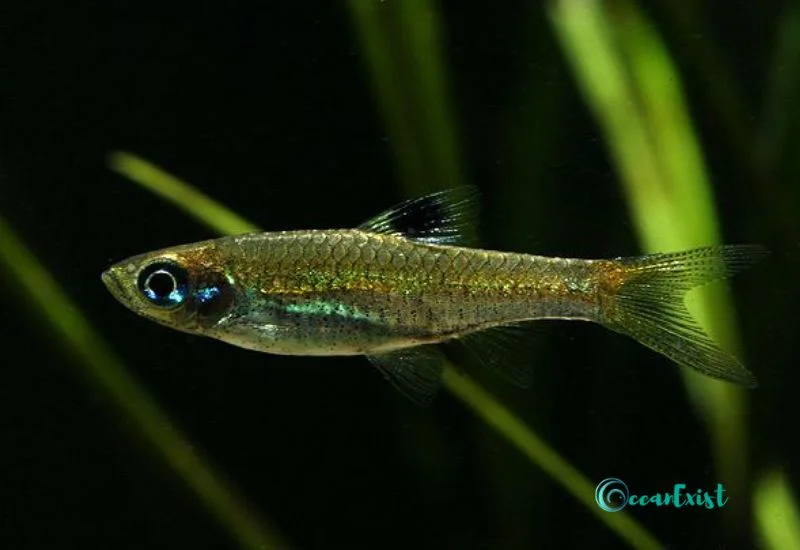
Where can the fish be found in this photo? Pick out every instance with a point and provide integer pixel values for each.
(408, 281)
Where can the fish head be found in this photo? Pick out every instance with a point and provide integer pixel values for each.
(185, 288)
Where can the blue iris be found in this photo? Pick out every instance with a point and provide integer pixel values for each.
(164, 284)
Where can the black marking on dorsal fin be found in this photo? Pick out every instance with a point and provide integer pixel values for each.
(446, 217)
(416, 372)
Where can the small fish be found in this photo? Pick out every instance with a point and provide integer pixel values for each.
(406, 280)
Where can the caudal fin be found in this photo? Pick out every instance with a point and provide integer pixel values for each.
(647, 302)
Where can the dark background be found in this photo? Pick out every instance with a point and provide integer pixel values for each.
(269, 109)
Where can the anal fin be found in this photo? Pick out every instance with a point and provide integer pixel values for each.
(416, 372)
(506, 350)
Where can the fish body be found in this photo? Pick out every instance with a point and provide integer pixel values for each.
(404, 281)
(351, 292)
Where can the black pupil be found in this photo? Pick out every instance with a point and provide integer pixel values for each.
(161, 283)
(164, 284)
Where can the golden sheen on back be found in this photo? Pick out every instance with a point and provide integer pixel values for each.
(407, 280)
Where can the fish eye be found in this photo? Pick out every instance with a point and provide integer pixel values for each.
(164, 284)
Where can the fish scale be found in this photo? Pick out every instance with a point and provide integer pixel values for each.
(409, 279)
(388, 272)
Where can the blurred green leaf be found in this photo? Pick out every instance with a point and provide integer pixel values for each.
(103, 368)
(776, 151)
(631, 85)
(776, 512)
(485, 406)
(177, 192)
(400, 41)
(544, 456)
(782, 89)
(709, 65)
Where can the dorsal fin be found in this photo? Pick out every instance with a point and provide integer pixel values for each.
(446, 217)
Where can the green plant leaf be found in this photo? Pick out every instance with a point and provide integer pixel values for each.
(480, 401)
(101, 366)
(629, 82)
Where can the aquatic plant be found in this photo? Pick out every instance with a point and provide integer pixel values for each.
(633, 88)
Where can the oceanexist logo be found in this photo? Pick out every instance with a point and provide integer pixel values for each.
(612, 495)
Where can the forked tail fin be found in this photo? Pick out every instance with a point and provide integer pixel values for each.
(646, 300)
